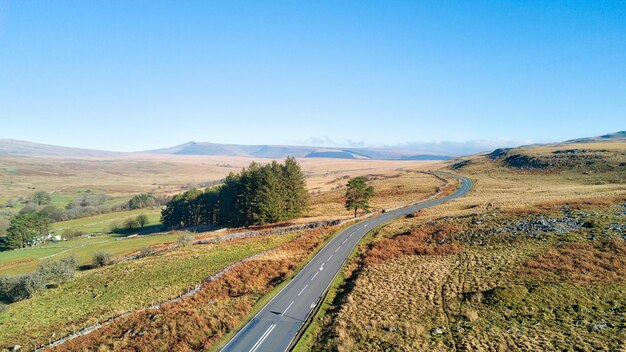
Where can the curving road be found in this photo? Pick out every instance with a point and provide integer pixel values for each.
(277, 324)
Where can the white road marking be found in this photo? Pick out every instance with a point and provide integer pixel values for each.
(329, 257)
(263, 337)
(285, 311)
(337, 249)
(344, 241)
(314, 275)
(322, 267)
(304, 288)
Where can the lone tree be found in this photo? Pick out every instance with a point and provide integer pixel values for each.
(358, 194)
(131, 223)
(41, 198)
(142, 220)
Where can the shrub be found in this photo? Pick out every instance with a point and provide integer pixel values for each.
(142, 201)
(131, 223)
(6, 285)
(17, 288)
(101, 259)
(142, 220)
(185, 240)
(115, 226)
(147, 251)
(58, 271)
(70, 233)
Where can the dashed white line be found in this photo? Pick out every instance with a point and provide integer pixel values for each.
(304, 288)
(337, 249)
(286, 309)
(263, 337)
(329, 257)
(317, 272)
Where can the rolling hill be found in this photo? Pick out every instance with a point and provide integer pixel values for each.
(13, 147)
(282, 151)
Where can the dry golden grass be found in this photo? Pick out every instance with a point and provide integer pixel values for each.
(504, 290)
(163, 174)
(196, 322)
(392, 189)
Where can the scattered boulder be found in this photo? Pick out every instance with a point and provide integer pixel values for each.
(391, 328)
(525, 162)
(437, 331)
(599, 327)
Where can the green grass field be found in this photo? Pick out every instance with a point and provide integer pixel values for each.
(109, 291)
(25, 260)
(102, 223)
(61, 200)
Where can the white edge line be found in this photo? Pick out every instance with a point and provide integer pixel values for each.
(337, 235)
(342, 264)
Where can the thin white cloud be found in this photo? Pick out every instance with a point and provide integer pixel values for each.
(446, 147)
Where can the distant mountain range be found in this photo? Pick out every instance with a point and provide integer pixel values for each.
(17, 147)
(282, 151)
(10, 147)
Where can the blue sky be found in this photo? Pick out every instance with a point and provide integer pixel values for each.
(133, 75)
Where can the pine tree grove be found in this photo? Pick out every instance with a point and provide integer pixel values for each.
(259, 194)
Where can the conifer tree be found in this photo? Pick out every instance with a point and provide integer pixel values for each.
(358, 194)
(259, 194)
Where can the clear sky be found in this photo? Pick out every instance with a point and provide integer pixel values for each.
(133, 75)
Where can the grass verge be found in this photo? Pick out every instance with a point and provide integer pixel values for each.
(263, 300)
(110, 291)
(313, 327)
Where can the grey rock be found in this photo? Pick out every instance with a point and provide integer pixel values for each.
(436, 331)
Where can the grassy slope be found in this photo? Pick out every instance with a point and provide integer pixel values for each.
(161, 174)
(109, 291)
(399, 303)
(307, 339)
(59, 311)
(262, 301)
(399, 189)
(102, 223)
(25, 260)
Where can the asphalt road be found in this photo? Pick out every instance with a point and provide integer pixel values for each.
(277, 324)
